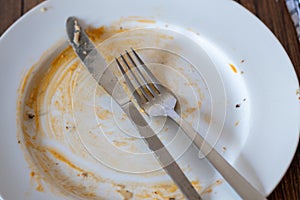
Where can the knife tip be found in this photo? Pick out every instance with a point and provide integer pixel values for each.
(70, 21)
(70, 27)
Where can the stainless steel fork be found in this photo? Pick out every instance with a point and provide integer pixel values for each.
(157, 100)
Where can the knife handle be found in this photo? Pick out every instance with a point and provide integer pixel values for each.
(230, 174)
(162, 154)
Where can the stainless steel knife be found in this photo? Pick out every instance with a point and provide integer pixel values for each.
(97, 66)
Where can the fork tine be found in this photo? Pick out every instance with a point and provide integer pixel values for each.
(146, 83)
(140, 85)
(136, 95)
(153, 80)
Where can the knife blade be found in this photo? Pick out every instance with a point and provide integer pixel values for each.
(97, 66)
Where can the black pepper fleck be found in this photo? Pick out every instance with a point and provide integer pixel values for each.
(238, 105)
(30, 115)
(84, 174)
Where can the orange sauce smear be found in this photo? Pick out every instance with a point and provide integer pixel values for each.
(233, 68)
(34, 99)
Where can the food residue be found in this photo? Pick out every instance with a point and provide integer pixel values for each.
(103, 113)
(85, 174)
(32, 92)
(166, 191)
(238, 105)
(61, 166)
(126, 194)
(242, 61)
(199, 104)
(150, 21)
(38, 185)
(120, 143)
(191, 110)
(233, 68)
(43, 9)
(207, 118)
(196, 185)
(76, 33)
(209, 189)
(32, 174)
(236, 123)
(30, 115)
(63, 159)
(40, 188)
(94, 33)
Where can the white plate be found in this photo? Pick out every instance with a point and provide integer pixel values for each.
(261, 147)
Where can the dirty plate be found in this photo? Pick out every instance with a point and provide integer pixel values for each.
(63, 137)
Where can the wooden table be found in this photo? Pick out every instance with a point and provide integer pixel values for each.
(272, 12)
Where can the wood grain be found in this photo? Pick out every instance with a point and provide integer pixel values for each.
(272, 12)
(28, 4)
(275, 15)
(10, 11)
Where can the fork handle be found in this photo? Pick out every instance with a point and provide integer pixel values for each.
(231, 175)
